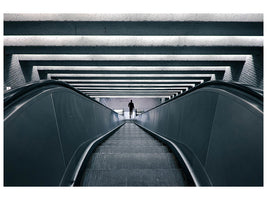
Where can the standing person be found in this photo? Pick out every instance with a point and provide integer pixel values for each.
(131, 107)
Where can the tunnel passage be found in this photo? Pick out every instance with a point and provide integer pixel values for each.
(175, 67)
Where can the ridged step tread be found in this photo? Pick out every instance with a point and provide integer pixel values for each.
(132, 142)
(134, 177)
(132, 161)
(132, 157)
(130, 137)
(130, 149)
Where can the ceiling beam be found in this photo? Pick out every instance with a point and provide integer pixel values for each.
(168, 93)
(130, 96)
(129, 57)
(133, 28)
(197, 76)
(133, 88)
(81, 81)
(131, 91)
(181, 50)
(133, 68)
(132, 85)
(132, 17)
(134, 41)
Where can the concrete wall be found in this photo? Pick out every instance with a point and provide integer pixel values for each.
(252, 72)
(13, 75)
(16, 74)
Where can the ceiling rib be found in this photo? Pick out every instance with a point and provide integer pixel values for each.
(131, 17)
(126, 41)
(143, 59)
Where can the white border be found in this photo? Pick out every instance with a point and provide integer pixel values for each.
(124, 6)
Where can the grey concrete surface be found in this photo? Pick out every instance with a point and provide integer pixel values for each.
(217, 17)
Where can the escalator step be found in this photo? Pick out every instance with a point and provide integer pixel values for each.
(133, 161)
(130, 137)
(134, 177)
(132, 157)
(130, 149)
(139, 142)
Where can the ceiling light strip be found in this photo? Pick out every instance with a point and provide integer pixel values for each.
(129, 96)
(131, 68)
(49, 75)
(128, 57)
(132, 17)
(133, 85)
(130, 80)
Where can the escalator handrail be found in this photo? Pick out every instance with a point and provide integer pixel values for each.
(12, 95)
(16, 93)
(234, 85)
(255, 92)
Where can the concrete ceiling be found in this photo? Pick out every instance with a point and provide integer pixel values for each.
(126, 55)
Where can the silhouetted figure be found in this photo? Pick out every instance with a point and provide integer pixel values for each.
(131, 107)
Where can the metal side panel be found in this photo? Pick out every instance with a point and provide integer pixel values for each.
(75, 119)
(196, 121)
(175, 119)
(235, 155)
(221, 130)
(102, 119)
(45, 131)
(32, 149)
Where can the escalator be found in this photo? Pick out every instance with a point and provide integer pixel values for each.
(131, 157)
(211, 135)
